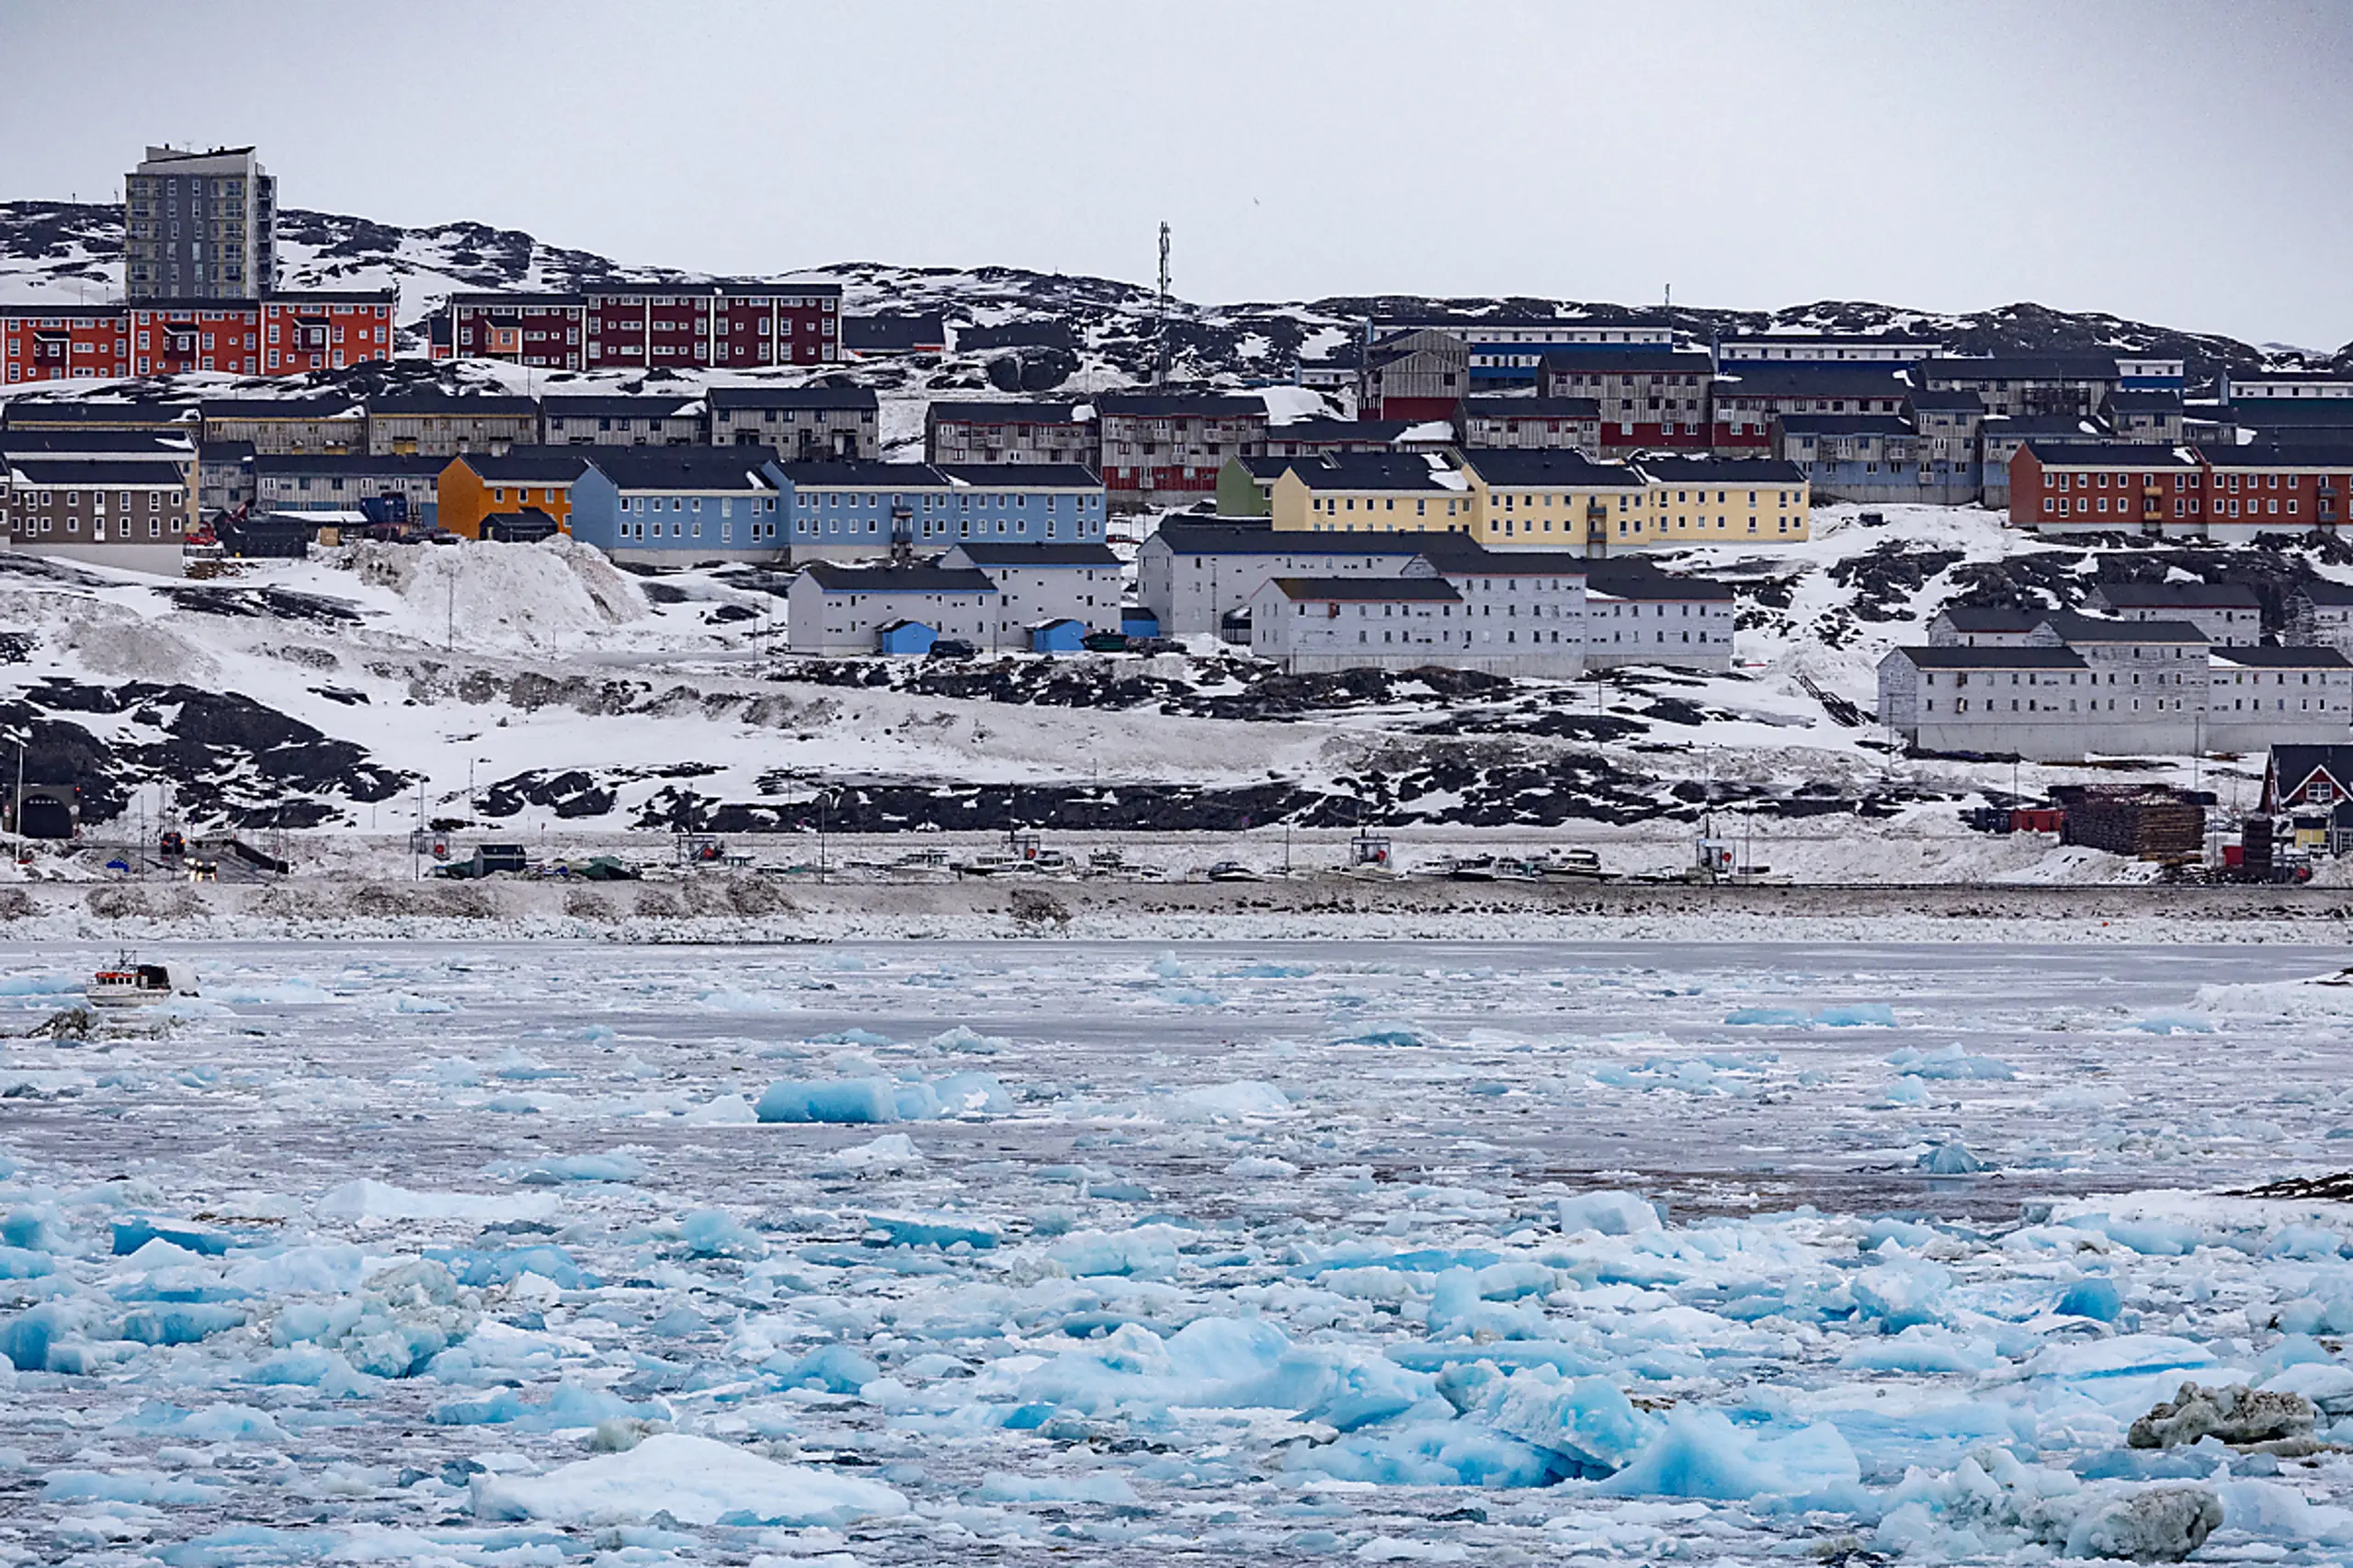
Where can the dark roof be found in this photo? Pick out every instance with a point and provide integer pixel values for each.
(1844, 424)
(2060, 429)
(860, 473)
(2178, 595)
(1870, 339)
(2023, 368)
(1532, 407)
(894, 335)
(1957, 399)
(2282, 658)
(353, 463)
(1545, 465)
(2293, 765)
(2333, 414)
(1720, 471)
(1042, 332)
(1992, 618)
(1258, 466)
(1369, 589)
(283, 408)
(2325, 593)
(991, 553)
(462, 405)
(1022, 476)
(1518, 318)
(1992, 658)
(1620, 359)
(1777, 378)
(2151, 403)
(329, 297)
(2274, 454)
(622, 407)
(1179, 405)
(1640, 580)
(530, 465)
(1371, 471)
(1187, 535)
(2074, 628)
(512, 300)
(792, 397)
(1008, 412)
(1339, 430)
(25, 311)
(17, 412)
(679, 468)
(86, 471)
(225, 452)
(2063, 453)
(113, 443)
(922, 579)
(1479, 562)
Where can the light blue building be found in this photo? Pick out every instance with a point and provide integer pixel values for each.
(678, 506)
(844, 511)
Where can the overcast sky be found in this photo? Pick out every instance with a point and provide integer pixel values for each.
(2188, 164)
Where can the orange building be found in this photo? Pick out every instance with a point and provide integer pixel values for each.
(478, 483)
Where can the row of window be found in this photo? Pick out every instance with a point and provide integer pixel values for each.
(29, 525)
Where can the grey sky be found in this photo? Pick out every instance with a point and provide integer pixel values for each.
(2188, 165)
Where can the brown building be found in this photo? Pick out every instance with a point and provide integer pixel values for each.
(131, 514)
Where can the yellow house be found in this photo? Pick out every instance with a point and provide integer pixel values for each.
(1725, 500)
(1550, 497)
(475, 485)
(1559, 498)
(1370, 492)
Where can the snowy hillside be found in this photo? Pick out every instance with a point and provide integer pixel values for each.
(566, 696)
(67, 251)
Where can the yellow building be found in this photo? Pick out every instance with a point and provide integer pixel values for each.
(476, 485)
(1553, 497)
(1559, 499)
(1724, 500)
(1370, 492)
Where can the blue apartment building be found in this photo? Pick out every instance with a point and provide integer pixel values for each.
(842, 511)
(678, 506)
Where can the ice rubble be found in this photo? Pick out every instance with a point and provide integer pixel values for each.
(1076, 1309)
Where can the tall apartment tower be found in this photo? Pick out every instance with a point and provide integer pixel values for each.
(200, 226)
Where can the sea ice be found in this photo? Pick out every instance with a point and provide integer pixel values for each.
(696, 1481)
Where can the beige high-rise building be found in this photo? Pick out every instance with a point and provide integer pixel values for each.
(200, 226)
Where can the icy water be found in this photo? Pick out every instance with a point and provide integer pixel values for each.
(917, 1252)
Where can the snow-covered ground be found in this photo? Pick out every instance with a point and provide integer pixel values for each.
(505, 1255)
(570, 702)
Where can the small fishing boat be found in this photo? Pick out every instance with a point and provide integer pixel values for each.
(1233, 871)
(127, 984)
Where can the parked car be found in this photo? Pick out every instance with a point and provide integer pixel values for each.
(951, 648)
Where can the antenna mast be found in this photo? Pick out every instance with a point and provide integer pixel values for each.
(1159, 369)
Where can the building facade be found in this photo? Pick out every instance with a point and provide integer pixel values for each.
(475, 485)
(310, 482)
(1041, 583)
(678, 506)
(623, 422)
(849, 511)
(838, 609)
(129, 514)
(647, 326)
(1166, 448)
(971, 433)
(1651, 399)
(442, 425)
(803, 423)
(200, 226)
(1571, 424)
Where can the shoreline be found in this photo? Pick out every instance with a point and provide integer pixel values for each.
(735, 908)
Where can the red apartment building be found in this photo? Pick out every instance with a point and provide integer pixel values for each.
(285, 334)
(651, 325)
(2183, 489)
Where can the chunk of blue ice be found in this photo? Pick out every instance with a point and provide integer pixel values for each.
(1611, 1213)
(1700, 1453)
(2094, 1296)
(1952, 1061)
(129, 1235)
(837, 1369)
(180, 1322)
(834, 1099)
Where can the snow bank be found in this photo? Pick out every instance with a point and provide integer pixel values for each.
(696, 1481)
(504, 596)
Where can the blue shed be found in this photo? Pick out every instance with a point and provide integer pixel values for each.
(1137, 622)
(1065, 636)
(905, 637)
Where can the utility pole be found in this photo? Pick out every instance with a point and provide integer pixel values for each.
(1160, 367)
